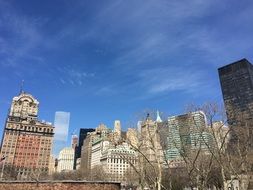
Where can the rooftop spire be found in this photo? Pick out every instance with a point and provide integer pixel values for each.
(22, 86)
(158, 118)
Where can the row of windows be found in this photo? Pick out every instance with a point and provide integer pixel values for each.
(30, 128)
(29, 153)
(121, 161)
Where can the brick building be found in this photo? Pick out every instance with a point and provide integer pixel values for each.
(26, 142)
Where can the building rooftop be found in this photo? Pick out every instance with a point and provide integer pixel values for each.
(234, 66)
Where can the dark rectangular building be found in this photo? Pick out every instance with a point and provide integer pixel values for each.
(237, 88)
(82, 135)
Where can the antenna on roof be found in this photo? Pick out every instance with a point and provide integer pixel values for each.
(22, 86)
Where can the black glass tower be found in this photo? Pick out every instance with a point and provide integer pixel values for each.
(82, 135)
(237, 88)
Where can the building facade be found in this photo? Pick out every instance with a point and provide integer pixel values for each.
(98, 146)
(27, 142)
(52, 165)
(117, 161)
(74, 141)
(97, 135)
(66, 159)
(236, 81)
(187, 133)
(117, 130)
(82, 136)
(132, 137)
(86, 152)
(150, 141)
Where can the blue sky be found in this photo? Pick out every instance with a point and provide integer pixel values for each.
(112, 59)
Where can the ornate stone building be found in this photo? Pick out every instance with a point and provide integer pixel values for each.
(86, 152)
(150, 141)
(92, 137)
(66, 159)
(117, 161)
(26, 142)
(132, 137)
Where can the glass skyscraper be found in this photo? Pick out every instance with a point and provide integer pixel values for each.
(61, 124)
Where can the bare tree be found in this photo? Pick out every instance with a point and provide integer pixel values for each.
(230, 149)
(151, 161)
(9, 172)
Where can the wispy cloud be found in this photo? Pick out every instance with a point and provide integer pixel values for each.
(75, 77)
(175, 33)
(23, 37)
(147, 44)
(171, 79)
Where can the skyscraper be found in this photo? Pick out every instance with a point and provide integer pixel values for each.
(132, 137)
(86, 151)
(26, 142)
(61, 124)
(82, 135)
(236, 81)
(99, 134)
(74, 141)
(151, 140)
(117, 127)
(187, 132)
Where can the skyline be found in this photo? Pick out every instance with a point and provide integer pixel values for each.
(95, 59)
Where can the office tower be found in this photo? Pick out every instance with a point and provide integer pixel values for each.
(236, 81)
(82, 135)
(101, 132)
(86, 151)
(187, 133)
(98, 146)
(174, 140)
(117, 127)
(150, 141)
(74, 145)
(66, 159)
(93, 145)
(74, 141)
(27, 141)
(116, 136)
(61, 124)
(132, 137)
